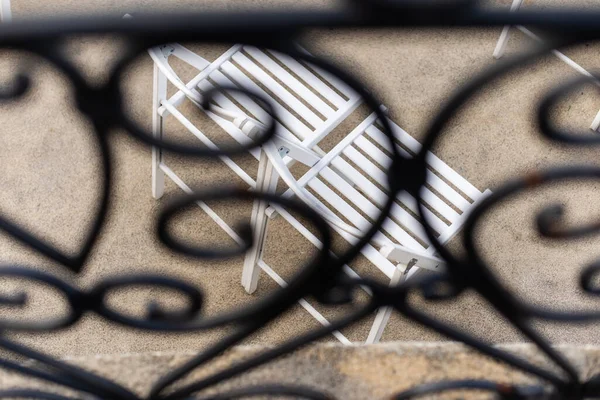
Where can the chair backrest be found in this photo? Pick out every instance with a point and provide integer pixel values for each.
(363, 158)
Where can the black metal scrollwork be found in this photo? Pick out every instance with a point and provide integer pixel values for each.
(322, 277)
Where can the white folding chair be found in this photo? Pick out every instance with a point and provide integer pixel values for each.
(503, 40)
(5, 11)
(403, 245)
(319, 102)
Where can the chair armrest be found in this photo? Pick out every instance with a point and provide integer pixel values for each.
(403, 255)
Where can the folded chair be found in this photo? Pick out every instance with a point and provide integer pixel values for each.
(319, 102)
(503, 39)
(402, 242)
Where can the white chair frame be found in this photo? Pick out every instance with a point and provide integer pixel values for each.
(503, 40)
(5, 11)
(341, 102)
(396, 261)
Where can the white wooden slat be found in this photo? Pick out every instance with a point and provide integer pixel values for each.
(291, 122)
(452, 176)
(457, 225)
(364, 205)
(596, 122)
(343, 207)
(439, 205)
(411, 224)
(432, 160)
(333, 80)
(310, 79)
(340, 205)
(447, 191)
(189, 56)
(5, 11)
(436, 163)
(380, 197)
(411, 203)
(366, 165)
(336, 82)
(372, 170)
(378, 136)
(428, 196)
(282, 93)
(404, 138)
(374, 152)
(332, 154)
(361, 202)
(340, 115)
(289, 80)
(255, 110)
(380, 177)
(219, 98)
(438, 184)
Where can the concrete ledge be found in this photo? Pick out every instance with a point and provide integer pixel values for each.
(355, 372)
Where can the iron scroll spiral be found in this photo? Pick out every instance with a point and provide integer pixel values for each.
(321, 277)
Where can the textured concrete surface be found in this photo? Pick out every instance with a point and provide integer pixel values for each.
(356, 372)
(50, 182)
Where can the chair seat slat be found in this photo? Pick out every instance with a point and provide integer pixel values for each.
(380, 197)
(289, 120)
(432, 160)
(310, 79)
(438, 184)
(282, 93)
(293, 83)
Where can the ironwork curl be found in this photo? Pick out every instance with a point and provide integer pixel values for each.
(322, 277)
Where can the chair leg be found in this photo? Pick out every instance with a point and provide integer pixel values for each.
(384, 313)
(503, 39)
(596, 123)
(159, 94)
(266, 181)
(5, 11)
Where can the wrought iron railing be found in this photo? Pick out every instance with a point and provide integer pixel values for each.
(322, 277)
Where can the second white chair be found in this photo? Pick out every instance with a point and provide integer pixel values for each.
(357, 198)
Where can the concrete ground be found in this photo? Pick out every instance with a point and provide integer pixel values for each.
(343, 372)
(50, 178)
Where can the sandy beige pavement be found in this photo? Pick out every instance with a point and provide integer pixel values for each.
(50, 180)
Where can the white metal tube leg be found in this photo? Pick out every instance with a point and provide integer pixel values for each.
(384, 313)
(5, 12)
(503, 39)
(159, 94)
(596, 122)
(266, 181)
